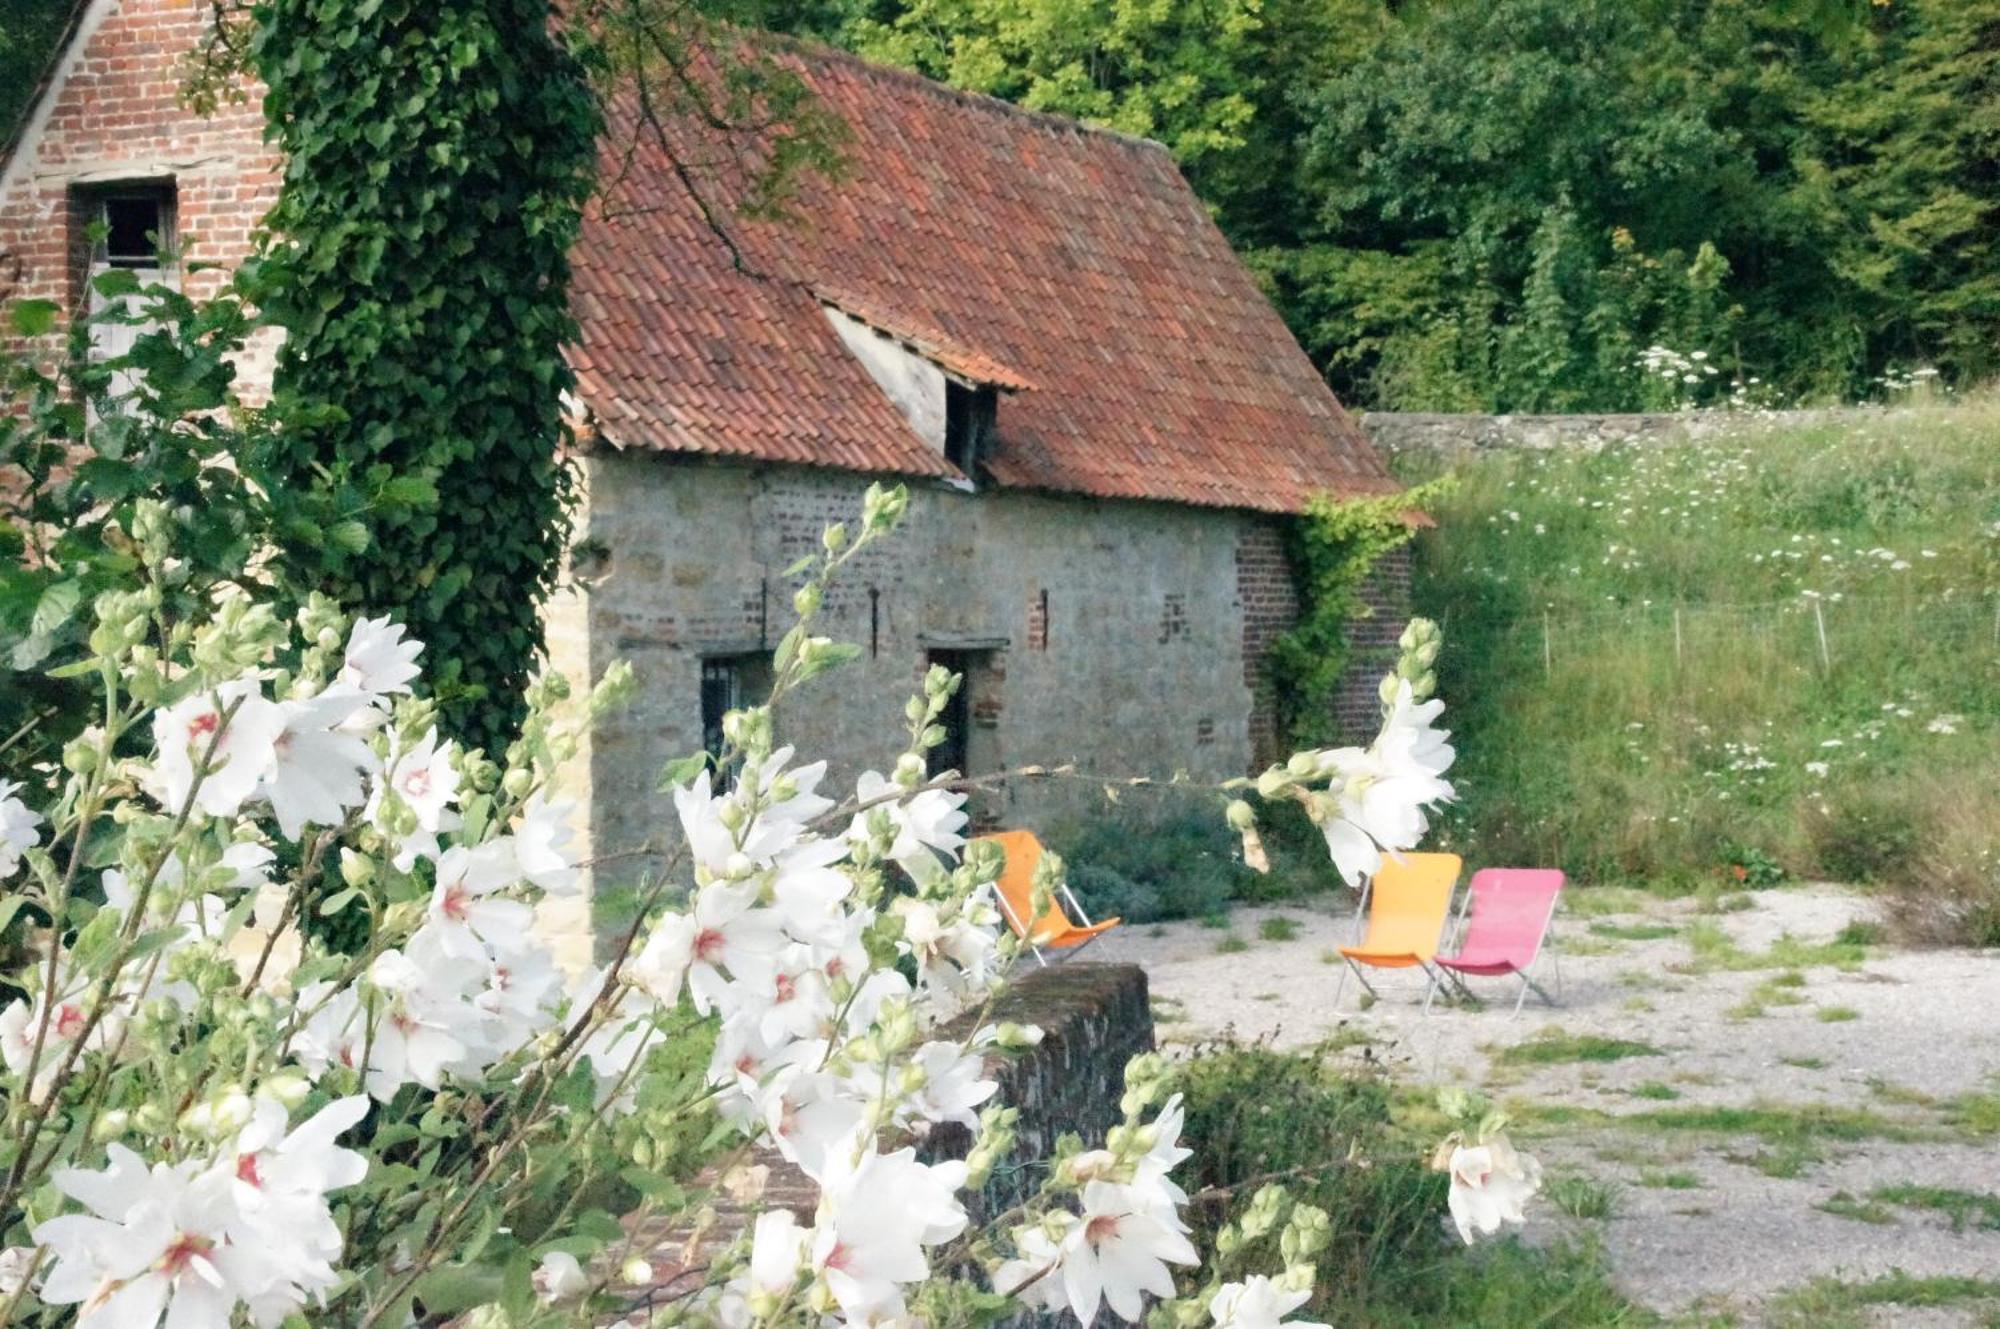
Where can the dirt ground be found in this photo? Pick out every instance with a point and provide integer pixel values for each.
(1866, 1076)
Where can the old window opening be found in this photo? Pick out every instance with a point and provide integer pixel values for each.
(969, 417)
(956, 720)
(138, 226)
(729, 683)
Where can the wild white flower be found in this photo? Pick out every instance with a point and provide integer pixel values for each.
(1119, 1251)
(1490, 1185)
(1033, 1276)
(954, 1085)
(867, 1250)
(926, 824)
(725, 932)
(17, 828)
(416, 1037)
(559, 1277)
(467, 912)
(316, 770)
(813, 1117)
(721, 826)
(425, 780)
(380, 660)
(14, 1264)
(229, 731)
(542, 844)
(1259, 1303)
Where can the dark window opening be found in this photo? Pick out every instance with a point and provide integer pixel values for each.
(956, 719)
(729, 683)
(969, 419)
(138, 225)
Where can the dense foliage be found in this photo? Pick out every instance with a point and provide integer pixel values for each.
(437, 156)
(1504, 205)
(1694, 663)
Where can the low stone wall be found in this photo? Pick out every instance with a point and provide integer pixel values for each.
(1411, 431)
(1094, 1018)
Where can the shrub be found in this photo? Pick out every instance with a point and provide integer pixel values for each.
(1145, 866)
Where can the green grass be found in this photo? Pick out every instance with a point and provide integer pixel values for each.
(1805, 1063)
(1231, 945)
(1713, 950)
(1278, 929)
(1670, 1181)
(1836, 1014)
(1633, 654)
(1842, 1205)
(1582, 1197)
(1965, 1209)
(1653, 1089)
(1634, 931)
(1977, 1112)
(1555, 1047)
(1829, 1303)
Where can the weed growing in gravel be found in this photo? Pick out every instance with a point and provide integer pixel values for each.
(1554, 1046)
(1964, 1208)
(1655, 1090)
(1714, 950)
(1634, 931)
(1583, 1197)
(1842, 1205)
(1837, 1014)
(1829, 1303)
(1278, 929)
(1231, 945)
(1978, 1112)
(1805, 1063)
(1330, 956)
(1670, 1181)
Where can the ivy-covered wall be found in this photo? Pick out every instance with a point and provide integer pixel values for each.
(437, 155)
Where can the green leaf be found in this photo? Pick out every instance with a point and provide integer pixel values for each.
(35, 318)
(338, 901)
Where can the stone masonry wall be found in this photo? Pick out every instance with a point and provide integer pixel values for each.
(1121, 637)
(1399, 431)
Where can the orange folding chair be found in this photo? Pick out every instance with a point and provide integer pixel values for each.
(1407, 904)
(1055, 929)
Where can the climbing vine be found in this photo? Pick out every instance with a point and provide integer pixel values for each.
(1333, 546)
(438, 154)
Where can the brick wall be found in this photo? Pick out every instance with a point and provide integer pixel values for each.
(1270, 603)
(117, 118)
(1371, 641)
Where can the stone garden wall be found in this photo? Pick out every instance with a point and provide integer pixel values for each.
(1412, 431)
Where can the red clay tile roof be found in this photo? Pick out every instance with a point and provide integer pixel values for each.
(1011, 247)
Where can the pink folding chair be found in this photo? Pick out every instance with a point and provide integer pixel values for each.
(1508, 916)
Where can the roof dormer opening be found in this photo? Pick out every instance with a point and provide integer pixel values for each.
(970, 413)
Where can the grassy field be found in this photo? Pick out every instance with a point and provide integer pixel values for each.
(1772, 653)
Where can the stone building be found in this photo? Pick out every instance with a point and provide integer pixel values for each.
(1036, 325)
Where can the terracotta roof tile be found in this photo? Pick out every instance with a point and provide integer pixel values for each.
(1073, 267)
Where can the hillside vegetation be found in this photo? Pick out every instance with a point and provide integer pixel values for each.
(1775, 652)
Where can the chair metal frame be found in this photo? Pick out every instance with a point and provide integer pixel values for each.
(1544, 946)
(1072, 908)
(1360, 933)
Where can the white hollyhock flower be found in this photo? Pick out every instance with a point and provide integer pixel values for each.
(559, 1277)
(14, 1265)
(1155, 1166)
(414, 1035)
(17, 828)
(334, 1033)
(68, 1016)
(812, 1116)
(542, 845)
(867, 1249)
(152, 1243)
(1119, 1251)
(726, 933)
(927, 823)
(380, 660)
(1259, 1303)
(759, 836)
(954, 1085)
(785, 993)
(232, 730)
(808, 891)
(316, 770)
(617, 1048)
(277, 1182)
(424, 778)
(1491, 1184)
(467, 912)
(1034, 1276)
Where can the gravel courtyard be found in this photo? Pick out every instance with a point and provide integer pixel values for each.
(1741, 1102)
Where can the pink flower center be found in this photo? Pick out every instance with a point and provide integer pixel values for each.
(839, 1257)
(204, 725)
(418, 782)
(183, 1251)
(69, 1021)
(246, 1170)
(1101, 1229)
(456, 899)
(708, 944)
(787, 987)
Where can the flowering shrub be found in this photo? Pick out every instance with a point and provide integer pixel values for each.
(289, 1048)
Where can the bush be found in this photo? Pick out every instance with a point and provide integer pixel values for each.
(1329, 1133)
(1858, 835)
(1179, 859)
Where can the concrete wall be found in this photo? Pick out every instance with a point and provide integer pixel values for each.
(1121, 637)
(1397, 431)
